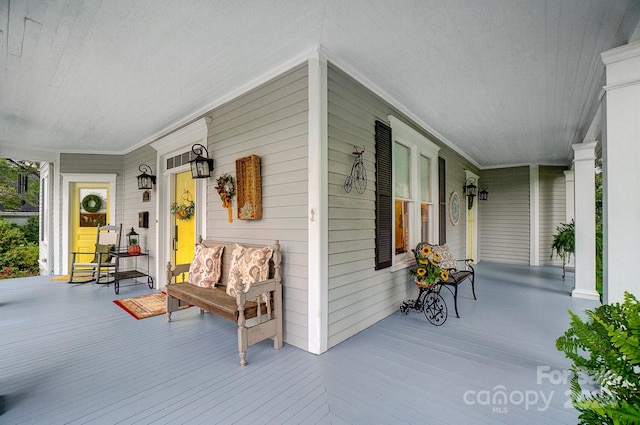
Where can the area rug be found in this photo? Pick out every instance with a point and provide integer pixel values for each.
(144, 306)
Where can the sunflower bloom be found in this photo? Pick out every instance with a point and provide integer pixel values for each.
(436, 256)
(424, 261)
(444, 274)
(426, 250)
(421, 271)
(433, 262)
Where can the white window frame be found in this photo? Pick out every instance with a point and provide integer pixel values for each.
(418, 145)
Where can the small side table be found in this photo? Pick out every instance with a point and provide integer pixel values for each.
(133, 273)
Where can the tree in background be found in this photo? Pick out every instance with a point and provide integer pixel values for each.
(19, 185)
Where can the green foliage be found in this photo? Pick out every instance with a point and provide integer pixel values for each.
(18, 256)
(31, 230)
(10, 198)
(599, 245)
(606, 348)
(564, 241)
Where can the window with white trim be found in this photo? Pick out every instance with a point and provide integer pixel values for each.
(415, 180)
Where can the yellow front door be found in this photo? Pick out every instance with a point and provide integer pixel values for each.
(90, 209)
(184, 229)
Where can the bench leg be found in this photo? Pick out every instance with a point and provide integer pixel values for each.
(173, 304)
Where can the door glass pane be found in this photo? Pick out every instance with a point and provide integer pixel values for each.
(401, 164)
(425, 179)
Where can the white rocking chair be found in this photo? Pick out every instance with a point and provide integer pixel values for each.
(102, 266)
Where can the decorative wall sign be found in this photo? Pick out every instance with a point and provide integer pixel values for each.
(454, 208)
(146, 196)
(249, 188)
(358, 176)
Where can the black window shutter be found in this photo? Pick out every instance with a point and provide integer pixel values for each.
(442, 195)
(384, 213)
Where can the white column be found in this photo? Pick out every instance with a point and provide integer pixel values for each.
(585, 221)
(569, 191)
(534, 215)
(318, 257)
(621, 167)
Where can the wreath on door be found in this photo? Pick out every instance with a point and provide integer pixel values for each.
(184, 209)
(92, 203)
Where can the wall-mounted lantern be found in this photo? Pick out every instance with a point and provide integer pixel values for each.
(469, 189)
(146, 180)
(483, 195)
(201, 166)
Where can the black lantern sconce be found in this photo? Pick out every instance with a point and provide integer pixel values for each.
(201, 166)
(146, 180)
(469, 189)
(483, 195)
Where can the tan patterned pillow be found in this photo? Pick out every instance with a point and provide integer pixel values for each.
(248, 265)
(205, 268)
(447, 260)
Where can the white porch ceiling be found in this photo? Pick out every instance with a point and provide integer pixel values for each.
(504, 81)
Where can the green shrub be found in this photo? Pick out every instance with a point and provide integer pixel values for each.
(31, 230)
(606, 348)
(18, 256)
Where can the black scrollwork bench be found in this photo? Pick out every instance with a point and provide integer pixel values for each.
(429, 299)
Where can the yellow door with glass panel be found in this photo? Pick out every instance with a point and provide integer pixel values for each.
(90, 209)
(183, 217)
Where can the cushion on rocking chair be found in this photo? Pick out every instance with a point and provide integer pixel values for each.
(103, 253)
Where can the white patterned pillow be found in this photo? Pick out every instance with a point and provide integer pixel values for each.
(248, 265)
(447, 260)
(205, 268)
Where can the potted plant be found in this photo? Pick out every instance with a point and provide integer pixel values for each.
(605, 384)
(563, 244)
(134, 248)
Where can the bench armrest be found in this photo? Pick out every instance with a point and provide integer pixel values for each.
(259, 288)
(176, 271)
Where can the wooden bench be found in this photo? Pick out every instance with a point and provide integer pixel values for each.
(457, 275)
(256, 321)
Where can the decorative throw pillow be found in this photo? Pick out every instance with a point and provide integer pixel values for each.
(248, 265)
(103, 253)
(205, 268)
(447, 260)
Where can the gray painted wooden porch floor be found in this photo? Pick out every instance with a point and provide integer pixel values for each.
(68, 354)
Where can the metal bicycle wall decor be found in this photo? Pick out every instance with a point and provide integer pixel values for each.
(358, 176)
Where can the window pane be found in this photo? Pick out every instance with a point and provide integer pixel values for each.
(424, 223)
(425, 179)
(402, 226)
(401, 155)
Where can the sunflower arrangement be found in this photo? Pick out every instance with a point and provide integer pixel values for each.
(428, 271)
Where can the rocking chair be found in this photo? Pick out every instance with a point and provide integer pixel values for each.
(102, 265)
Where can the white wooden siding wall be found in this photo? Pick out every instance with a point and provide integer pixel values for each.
(359, 296)
(503, 233)
(271, 122)
(132, 202)
(552, 210)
